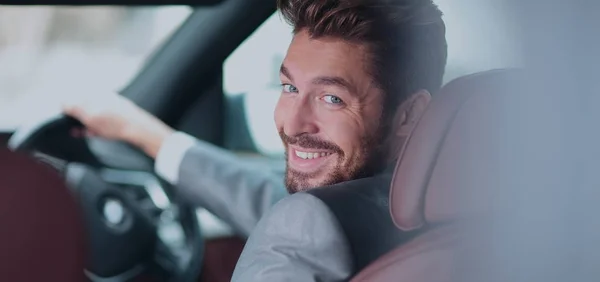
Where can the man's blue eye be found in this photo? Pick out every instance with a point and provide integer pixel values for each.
(288, 88)
(332, 100)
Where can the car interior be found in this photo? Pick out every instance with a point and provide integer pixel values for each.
(214, 75)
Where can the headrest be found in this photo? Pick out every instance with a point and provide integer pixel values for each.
(454, 159)
(42, 236)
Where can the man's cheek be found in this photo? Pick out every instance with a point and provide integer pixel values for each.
(278, 114)
(349, 144)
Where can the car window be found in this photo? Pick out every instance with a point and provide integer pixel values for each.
(253, 70)
(48, 51)
(479, 38)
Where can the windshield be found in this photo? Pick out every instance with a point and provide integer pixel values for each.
(49, 51)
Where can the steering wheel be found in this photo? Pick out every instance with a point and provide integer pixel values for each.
(135, 223)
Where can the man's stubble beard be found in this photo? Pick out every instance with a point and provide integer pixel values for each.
(364, 164)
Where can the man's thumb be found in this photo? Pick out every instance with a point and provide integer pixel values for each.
(75, 112)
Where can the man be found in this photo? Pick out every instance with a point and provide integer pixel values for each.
(356, 78)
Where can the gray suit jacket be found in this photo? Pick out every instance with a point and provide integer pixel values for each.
(298, 240)
(325, 234)
(237, 192)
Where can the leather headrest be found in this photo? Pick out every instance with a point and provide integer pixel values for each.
(453, 161)
(42, 237)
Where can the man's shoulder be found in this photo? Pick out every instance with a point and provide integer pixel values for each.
(297, 214)
(298, 240)
(361, 208)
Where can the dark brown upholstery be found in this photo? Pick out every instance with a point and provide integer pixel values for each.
(450, 177)
(42, 235)
(220, 258)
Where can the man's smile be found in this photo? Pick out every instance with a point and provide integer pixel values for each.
(308, 160)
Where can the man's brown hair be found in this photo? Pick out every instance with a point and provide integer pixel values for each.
(406, 40)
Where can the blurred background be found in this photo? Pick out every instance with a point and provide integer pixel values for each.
(49, 51)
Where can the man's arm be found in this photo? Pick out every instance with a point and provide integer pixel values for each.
(208, 176)
(299, 239)
(217, 180)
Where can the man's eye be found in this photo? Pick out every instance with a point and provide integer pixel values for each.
(288, 88)
(332, 100)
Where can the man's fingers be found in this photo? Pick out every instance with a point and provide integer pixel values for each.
(75, 112)
(70, 109)
(91, 133)
(78, 132)
(83, 132)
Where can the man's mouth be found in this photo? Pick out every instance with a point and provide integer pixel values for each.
(311, 155)
(308, 160)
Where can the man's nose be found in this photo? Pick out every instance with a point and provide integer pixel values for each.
(300, 119)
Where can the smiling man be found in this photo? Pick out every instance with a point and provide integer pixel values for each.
(328, 114)
(356, 78)
(347, 77)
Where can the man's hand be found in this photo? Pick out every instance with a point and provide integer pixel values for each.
(114, 117)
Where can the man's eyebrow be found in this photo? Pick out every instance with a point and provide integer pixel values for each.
(283, 70)
(323, 80)
(335, 81)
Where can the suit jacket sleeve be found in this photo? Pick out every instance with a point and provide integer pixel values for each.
(217, 180)
(298, 240)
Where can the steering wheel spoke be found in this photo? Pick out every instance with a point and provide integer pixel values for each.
(140, 179)
(59, 164)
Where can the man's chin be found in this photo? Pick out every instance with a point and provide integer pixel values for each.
(299, 183)
(296, 182)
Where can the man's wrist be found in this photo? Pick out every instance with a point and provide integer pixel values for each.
(171, 154)
(149, 141)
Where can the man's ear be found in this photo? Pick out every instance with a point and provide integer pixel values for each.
(406, 117)
(409, 113)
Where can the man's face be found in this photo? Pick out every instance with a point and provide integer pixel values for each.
(328, 113)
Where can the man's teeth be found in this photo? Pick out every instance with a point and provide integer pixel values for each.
(308, 156)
